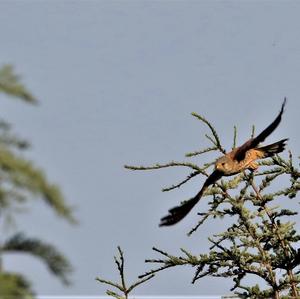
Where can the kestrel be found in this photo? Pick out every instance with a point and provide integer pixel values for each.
(239, 159)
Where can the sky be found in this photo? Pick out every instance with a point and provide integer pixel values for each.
(117, 82)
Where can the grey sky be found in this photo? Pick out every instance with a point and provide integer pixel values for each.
(117, 81)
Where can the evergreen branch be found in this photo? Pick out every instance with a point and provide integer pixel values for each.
(277, 160)
(154, 271)
(211, 212)
(171, 261)
(206, 150)
(25, 176)
(253, 131)
(55, 261)
(211, 140)
(120, 265)
(21, 180)
(161, 252)
(216, 137)
(207, 165)
(200, 222)
(115, 295)
(190, 176)
(154, 261)
(266, 162)
(290, 161)
(234, 137)
(267, 181)
(7, 139)
(233, 183)
(140, 282)
(170, 164)
(264, 255)
(13, 285)
(11, 85)
(119, 260)
(219, 246)
(284, 212)
(274, 170)
(286, 246)
(110, 283)
(215, 203)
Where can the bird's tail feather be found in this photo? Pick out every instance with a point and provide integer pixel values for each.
(274, 148)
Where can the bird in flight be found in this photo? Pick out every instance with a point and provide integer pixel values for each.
(239, 159)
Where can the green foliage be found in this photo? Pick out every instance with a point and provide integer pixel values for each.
(55, 261)
(11, 85)
(261, 239)
(20, 182)
(121, 286)
(13, 285)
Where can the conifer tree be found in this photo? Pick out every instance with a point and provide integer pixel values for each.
(260, 240)
(20, 182)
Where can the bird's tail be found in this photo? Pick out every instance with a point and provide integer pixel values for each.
(274, 148)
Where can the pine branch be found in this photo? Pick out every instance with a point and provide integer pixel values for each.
(55, 261)
(14, 285)
(21, 180)
(110, 283)
(10, 140)
(119, 260)
(206, 150)
(170, 164)
(11, 85)
(216, 140)
(234, 137)
(23, 175)
(253, 131)
(139, 282)
(190, 176)
(285, 245)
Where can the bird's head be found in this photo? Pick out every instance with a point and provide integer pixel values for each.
(223, 164)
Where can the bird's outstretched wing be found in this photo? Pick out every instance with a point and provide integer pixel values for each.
(178, 213)
(253, 142)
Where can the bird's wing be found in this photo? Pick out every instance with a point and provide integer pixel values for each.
(253, 142)
(178, 213)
